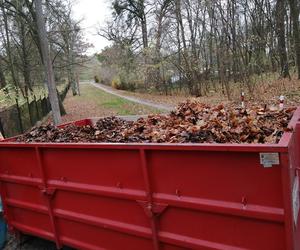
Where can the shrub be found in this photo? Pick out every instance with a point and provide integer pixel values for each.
(116, 83)
(96, 79)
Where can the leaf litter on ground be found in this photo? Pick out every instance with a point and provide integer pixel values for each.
(190, 122)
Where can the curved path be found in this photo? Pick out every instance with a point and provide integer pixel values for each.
(133, 99)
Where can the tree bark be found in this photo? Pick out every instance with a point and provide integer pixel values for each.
(188, 73)
(25, 58)
(157, 57)
(294, 6)
(235, 63)
(280, 27)
(47, 62)
(2, 77)
(70, 68)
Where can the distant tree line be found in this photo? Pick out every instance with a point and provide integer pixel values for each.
(200, 44)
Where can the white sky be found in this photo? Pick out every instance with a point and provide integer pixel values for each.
(94, 13)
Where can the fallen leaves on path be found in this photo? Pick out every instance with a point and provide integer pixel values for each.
(191, 122)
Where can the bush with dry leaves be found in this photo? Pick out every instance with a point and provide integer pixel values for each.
(191, 122)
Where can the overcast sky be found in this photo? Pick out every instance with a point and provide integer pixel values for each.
(94, 13)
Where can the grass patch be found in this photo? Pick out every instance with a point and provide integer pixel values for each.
(113, 104)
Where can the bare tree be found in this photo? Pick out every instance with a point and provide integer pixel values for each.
(47, 62)
(280, 14)
(294, 7)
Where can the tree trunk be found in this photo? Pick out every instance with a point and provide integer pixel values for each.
(294, 6)
(25, 59)
(2, 77)
(70, 68)
(157, 56)
(47, 62)
(211, 38)
(179, 55)
(280, 27)
(188, 74)
(235, 62)
(145, 33)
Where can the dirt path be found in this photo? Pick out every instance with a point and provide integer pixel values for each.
(95, 102)
(112, 91)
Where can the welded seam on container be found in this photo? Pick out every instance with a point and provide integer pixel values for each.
(47, 197)
(150, 204)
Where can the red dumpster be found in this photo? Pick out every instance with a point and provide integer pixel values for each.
(155, 196)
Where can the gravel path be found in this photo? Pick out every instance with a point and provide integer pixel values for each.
(133, 99)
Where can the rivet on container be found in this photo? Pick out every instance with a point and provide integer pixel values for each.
(119, 185)
(64, 179)
(244, 202)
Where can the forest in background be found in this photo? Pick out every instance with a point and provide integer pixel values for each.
(199, 45)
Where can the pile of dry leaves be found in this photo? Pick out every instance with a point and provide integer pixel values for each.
(191, 122)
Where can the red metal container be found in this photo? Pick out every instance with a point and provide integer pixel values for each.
(155, 196)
